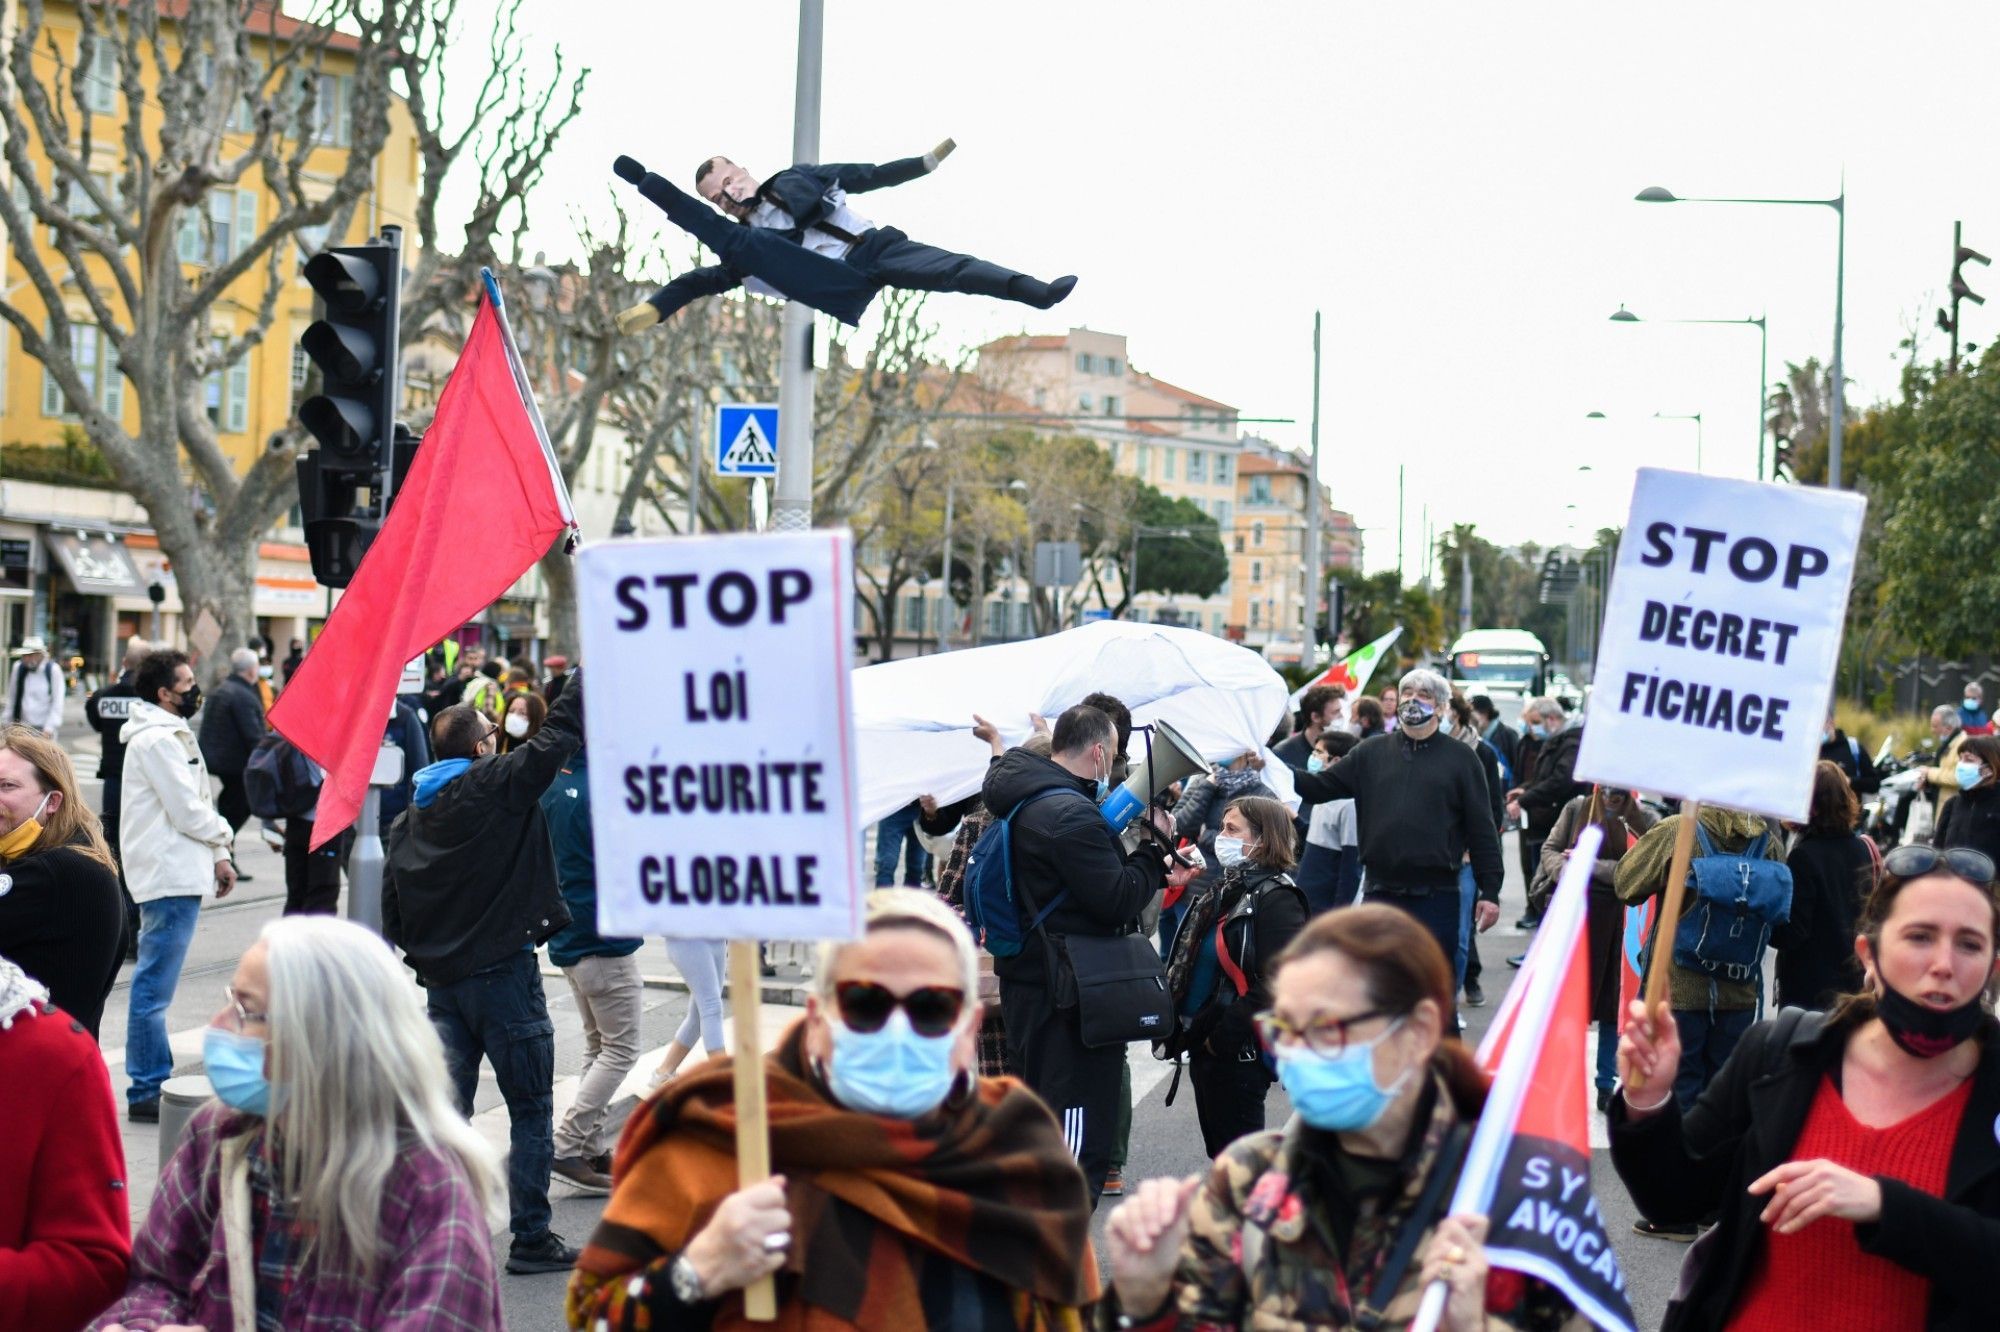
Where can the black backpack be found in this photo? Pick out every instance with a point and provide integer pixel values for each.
(278, 779)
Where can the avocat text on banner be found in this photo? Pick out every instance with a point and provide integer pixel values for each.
(1353, 671)
(484, 481)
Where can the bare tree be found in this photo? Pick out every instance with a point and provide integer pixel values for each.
(198, 95)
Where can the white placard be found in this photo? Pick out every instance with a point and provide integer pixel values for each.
(1721, 634)
(720, 731)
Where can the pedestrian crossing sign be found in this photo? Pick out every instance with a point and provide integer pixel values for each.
(746, 439)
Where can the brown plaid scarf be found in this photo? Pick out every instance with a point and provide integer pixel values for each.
(986, 1183)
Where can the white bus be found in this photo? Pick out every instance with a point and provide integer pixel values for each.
(1509, 666)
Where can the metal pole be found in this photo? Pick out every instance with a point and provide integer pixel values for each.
(1763, 384)
(1314, 581)
(944, 620)
(694, 461)
(1401, 522)
(1697, 441)
(1132, 571)
(1957, 241)
(364, 867)
(792, 511)
(1838, 415)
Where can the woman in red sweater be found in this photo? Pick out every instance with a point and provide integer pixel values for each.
(1850, 1160)
(65, 1224)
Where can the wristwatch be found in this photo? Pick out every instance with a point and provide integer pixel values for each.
(685, 1280)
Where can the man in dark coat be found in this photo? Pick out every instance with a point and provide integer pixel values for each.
(107, 711)
(231, 726)
(1844, 752)
(1062, 845)
(469, 889)
(1538, 799)
(795, 237)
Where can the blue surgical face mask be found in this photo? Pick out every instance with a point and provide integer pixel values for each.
(1103, 788)
(1337, 1093)
(1537, 731)
(1315, 764)
(893, 1072)
(235, 1066)
(1969, 775)
(1229, 850)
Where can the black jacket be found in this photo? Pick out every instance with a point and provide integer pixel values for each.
(62, 920)
(1973, 819)
(106, 711)
(1262, 911)
(1846, 754)
(801, 191)
(232, 722)
(1063, 842)
(1553, 783)
(1746, 1123)
(1419, 806)
(1831, 876)
(470, 879)
(1506, 742)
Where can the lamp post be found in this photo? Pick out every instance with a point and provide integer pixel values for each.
(1625, 316)
(1663, 416)
(1836, 410)
(944, 592)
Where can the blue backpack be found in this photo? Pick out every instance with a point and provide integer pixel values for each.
(1738, 897)
(991, 904)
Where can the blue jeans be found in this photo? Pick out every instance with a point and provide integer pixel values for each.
(166, 927)
(1319, 878)
(1707, 1041)
(1349, 884)
(890, 835)
(1439, 912)
(1607, 1055)
(500, 1013)
(1468, 893)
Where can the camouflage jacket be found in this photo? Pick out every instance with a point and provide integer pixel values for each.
(1260, 1254)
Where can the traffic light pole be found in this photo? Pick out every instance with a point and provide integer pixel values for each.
(792, 509)
(1315, 570)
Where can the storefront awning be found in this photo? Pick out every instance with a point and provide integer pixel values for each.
(96, 566)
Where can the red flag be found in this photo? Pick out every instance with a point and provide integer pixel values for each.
(1528, 1168)
(483, 501)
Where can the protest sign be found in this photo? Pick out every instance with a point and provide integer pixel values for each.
(1720, 638)
(720, 733)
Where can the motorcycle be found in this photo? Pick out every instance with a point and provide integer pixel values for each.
(1899, 811)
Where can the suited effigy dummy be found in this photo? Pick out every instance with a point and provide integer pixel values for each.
(796, 237)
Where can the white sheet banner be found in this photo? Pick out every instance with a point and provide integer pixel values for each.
(914, 717)
(1721, 634)
(720, 735)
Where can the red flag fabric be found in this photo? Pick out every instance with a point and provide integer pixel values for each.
(483, 501)
(1528, 1168)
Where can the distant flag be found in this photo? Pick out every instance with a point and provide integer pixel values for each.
(1528, 1168)
(483, 501)
(1354, 672)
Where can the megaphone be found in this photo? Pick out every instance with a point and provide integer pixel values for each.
(1169, 758)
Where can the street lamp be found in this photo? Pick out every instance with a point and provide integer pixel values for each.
(944, 592)
(1659, 416)
(1836, 422)
(1625, 316)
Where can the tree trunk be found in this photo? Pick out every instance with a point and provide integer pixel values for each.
(559, 578)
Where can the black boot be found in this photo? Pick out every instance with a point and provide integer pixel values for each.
(1041, 295)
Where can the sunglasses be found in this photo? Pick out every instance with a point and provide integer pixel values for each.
(865, 1007)
(1912, 859)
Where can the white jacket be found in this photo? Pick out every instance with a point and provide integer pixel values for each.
(41, 694)
(170, 837)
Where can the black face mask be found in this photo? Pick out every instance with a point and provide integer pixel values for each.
(1413, 713)
(1923, 1031)
(189, 702)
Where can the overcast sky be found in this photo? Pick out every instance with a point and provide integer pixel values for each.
(1450, 184)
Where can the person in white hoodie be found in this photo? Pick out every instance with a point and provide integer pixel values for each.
(175, 848)
(35, 688)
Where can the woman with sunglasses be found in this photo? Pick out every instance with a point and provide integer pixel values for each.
(907, 1192)
(1334, 1221)
(1849, 1158)
(333, 1183)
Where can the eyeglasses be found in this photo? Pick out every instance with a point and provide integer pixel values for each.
(1323, 1036)
(1912, 859)
(244, 1017)
(865, 1007)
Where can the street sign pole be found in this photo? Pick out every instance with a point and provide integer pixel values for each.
(793, 510)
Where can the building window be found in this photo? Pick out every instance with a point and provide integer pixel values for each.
(1223, 466)
(1111, 404)
(1167, 464)
(96, 362)
(329, 121)
(231, 218)
(1256, 615)
(1256, 571)
(1260, 490)
(1257, 533)
(1144, 462)
(1085, 363)
(913, 614)
(228, 395)
(1112, 366)
(1222, 513)
(100, 85)
(1041, 397)
(1086, 403)
(1197, 466)
(1239, 543)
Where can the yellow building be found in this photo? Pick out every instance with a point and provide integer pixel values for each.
(250, 400)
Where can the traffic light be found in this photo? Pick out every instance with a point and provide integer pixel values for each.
(1961, 255)
(345, 484)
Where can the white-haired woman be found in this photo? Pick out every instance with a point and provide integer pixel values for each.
(909, 1192)
(1424, 808)
(333, 1184)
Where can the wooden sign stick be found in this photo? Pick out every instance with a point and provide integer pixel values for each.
(753, 1124)
(1662, 961)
